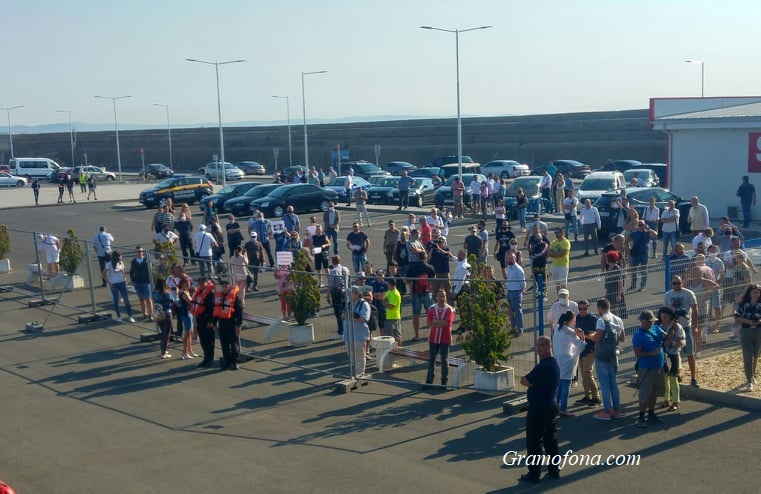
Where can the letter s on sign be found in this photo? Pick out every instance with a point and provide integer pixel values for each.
(754, 152)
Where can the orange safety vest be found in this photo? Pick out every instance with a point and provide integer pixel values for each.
(197, 304)
(224, 304)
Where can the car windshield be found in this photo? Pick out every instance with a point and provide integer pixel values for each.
(466, 180)
(166, 183)
(530, 186)
(227, 189)
(598, 184)
(279, 192)
(229, 166)
(259, 190)
(339, 182)
(643, 174)
(387, 182)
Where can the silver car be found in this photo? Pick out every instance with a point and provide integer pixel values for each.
(213, 171)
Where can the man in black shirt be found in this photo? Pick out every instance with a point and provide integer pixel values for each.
(502, 245)
(422, 274)
(473, 245)
(234, 236)
(542, 417)
(185, 230)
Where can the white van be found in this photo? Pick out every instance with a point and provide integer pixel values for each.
(33, 167)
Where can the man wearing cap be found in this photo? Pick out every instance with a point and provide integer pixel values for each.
(185, 230)
(263, 229)
(360, 199)
(473, 244)
(165, 236)
(228, 315)
(330, 219)
(461, 272)
(102, 245)
(255, 254)
(390, 241)
(358, 316)
(647, 343)
(439, 256)
(358, 243)
(562, 305)
(204, 245)
(685, 306)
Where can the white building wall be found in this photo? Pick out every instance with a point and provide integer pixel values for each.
(710, 163)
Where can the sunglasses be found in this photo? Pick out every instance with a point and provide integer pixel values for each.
(676, 282)
(583, 308)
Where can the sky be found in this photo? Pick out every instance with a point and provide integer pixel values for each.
(540, 56)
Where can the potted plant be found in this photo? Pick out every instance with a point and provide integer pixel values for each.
(5, 248)
(303, 300)
(487, 335)
(71, 256)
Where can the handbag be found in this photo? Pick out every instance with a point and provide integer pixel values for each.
(159, 315)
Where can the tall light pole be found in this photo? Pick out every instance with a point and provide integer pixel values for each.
(288, 113)
(304, 109)
(71, 135)
(116, 126)
(168, 130)
(702, 75)
(10, 134)
(457, 62)
(219, 112)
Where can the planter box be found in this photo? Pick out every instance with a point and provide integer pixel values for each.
(501, 380)
(5, 265)
(61, 282)
(301, 335)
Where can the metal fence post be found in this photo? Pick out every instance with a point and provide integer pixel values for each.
(667, 277)
(89, 277)
(35, 242)
(540, 303)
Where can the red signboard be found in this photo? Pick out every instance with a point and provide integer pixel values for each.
(754, 152)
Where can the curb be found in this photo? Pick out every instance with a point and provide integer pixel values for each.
(714, 397)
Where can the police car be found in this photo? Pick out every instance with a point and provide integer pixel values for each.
(180, 188)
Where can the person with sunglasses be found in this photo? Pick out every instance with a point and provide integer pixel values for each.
(587, 322)
(685, 306)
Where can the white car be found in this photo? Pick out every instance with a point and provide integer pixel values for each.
(505, 169)
(8, 180)
(213, 171)
(597, 183)
(99, 173)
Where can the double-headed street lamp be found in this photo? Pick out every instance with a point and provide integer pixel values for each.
(288, 113)
(116, 126)
(71, 135)
(10, 134)
(219, 112)
(702, 75)
(457, 61)
(168, 130)
(304, 109)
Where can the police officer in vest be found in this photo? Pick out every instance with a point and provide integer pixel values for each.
(202, 308)
(228, 314)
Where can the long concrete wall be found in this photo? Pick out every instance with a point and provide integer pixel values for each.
(592, 138)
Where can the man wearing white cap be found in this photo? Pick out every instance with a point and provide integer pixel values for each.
(255, 254)
(204, 244)
(562, 305)
(460, 272)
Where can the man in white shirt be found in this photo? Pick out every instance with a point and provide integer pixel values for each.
(590, 224)
(545, 185)
(703, 237)
(165, 235)
(475, 194)
(562, 305)
(670, 227)
(461, 272)
(348, 186)
(652, 216)
(102, 245)
(515, 280)
(570, 206)
(698, 217)
(203, 245)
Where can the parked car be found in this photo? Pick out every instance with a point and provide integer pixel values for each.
(251, 167)
(241, 205)
(422, 192)
(214, 170)
(396, 167)
(380, 192)
(180, 188)
(8, 180)
(454, 168)
(157, 170)
(303, 197)
(645, 177)
(445, 160)
(444, 193)
(660, 169)
(339, 186)
(505, 169)
(98, 172)
(639, 198)
(597, 183)
(620, 165)
(226, 193)
(569, 168)
(530, 186)
(364, 169)
(427, 172)
(290, 172)
(374, 179)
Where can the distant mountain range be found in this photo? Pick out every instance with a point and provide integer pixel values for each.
(89, 127)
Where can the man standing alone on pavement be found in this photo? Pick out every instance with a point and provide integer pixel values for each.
(543, 413)
(747, 194)
(405, 182)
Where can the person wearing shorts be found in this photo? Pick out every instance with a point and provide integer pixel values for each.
(560, 252)
(648, 347)
(140, 277)
(392, 300)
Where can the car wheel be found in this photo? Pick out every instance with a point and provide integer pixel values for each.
(324, 205)
(420, 201)
(109, 178)
(505, 174)
(20, 183)
(28, 177)
(278, 211)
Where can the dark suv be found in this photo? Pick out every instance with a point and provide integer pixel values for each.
(180, 188)
(639, 198)
(365, 169)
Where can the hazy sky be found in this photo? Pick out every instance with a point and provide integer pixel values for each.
(540, 56)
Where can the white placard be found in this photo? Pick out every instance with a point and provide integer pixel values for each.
(278, 226)
(316, 250)
(284, 258)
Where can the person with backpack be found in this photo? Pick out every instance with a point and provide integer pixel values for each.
(608, 335)
(421, 273)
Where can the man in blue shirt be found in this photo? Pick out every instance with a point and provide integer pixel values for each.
(405, 182)
(639, 246)
(648, 347)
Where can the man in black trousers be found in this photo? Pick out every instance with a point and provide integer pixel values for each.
(203, 299)
(542, 417)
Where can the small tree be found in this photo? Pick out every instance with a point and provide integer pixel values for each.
(5, 242)
(485, 317)
(167, 259)
(304, 299)
(71, 253)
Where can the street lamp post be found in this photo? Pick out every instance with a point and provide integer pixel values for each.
(457, 66)
(219, 113)
(702, 75)
(304, 109)
(116, 126)
(10, 134)
(168, 130)
(288, 113)
(71, 135)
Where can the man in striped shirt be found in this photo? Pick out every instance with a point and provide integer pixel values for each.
(440, 318)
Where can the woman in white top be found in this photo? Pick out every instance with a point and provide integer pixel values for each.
(567, 345)
(114, 276)
(239, 272)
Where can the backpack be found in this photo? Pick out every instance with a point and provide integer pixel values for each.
(372, 323)
(605, 350)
